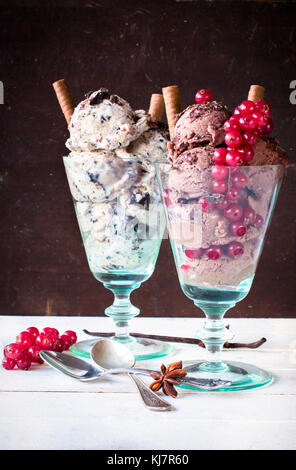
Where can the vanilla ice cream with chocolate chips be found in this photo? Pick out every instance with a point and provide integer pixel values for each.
(113, 182)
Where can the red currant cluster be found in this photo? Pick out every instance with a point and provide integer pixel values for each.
(29, 343)
(243, 129)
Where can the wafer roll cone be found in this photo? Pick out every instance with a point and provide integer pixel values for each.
(156, 107)
(65, 98)
(256, 93)
(173, 105)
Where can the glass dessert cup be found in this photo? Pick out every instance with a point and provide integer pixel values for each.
(216, 243)
(122, 233)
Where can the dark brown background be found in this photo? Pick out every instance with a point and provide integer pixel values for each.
(134, 48)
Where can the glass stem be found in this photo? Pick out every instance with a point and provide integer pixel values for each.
(214, 333)
(121, 311)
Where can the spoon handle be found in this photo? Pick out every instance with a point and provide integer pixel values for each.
(151, 400)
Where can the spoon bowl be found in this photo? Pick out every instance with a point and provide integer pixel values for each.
(109, 354)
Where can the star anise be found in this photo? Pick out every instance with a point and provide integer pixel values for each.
(168, 378)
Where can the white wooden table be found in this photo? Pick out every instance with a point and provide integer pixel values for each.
(43, 409)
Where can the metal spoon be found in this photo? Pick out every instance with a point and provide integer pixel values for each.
(83, 370)
(106, 356)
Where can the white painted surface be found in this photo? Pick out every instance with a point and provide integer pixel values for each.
(43, 409)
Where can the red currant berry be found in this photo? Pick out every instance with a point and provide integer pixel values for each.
(8, 364)
(247, 153)
(247, 121)
(234, 212)
(268, 127)
(24, 361)
(205, 205)
(72, 335)
(239, 180)
(34, 355)
(236, 113)
(33, 331)
(258, 221)
(263, 107)
(233, 194)
(48, 331)
(233, 139)
(58, 345)
(44, 342)
(185, 267)
(223, 203)
(251, 137)
(249, 215)
(219, 172)
(219, 187)
(13, 350)
(203, 95)
(25, 340)
(194, 254)
(214, 252)
(233, 158)
(238, 229)
(260, 119)
(234, 249)
(166, 197)
(247, 107)
(219, 156)
(66, 342)
(231, 125)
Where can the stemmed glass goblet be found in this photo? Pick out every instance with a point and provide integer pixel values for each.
(217, 240)
(121, 219)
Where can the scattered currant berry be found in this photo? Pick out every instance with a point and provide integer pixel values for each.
(263, 107)
(234, 158)
(233, 212)
(214, 252)
(234, 249)
(219, 155)
(24, 361)
(24, 339)
(219, 172)
(258, 221)
(219, 187)
(166, 197)
(247, 107)
(248, 121)
(194, 254)
(66, 342)
(13, 351)
(233, 139)
(232, 125)
(239, 180)
(33, 331)
(223, 203)
(251, 137)
(48, 331)
(203, 95)
(205, 205)
(8, 364)
(72, 335)
(58, 345)
(247, 153)
(233, 194)
(238, 229)
(34, 355)
(185, 267)
(44, 342)
(249, 215)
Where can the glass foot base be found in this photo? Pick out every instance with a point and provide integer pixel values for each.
(243, 376)
(140, 347)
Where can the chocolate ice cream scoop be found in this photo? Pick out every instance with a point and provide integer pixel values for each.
(198, 125)
(267, 151)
